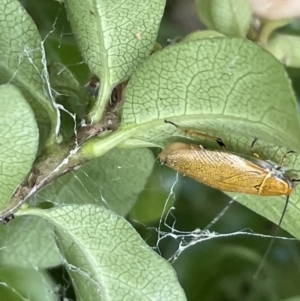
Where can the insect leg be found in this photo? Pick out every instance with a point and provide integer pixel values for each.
(199, 134)
(284, 157)
(256, 155)
(253, 142)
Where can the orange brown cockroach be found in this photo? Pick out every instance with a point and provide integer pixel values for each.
(229, 171)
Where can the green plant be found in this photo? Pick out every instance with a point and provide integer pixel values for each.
(65, 148)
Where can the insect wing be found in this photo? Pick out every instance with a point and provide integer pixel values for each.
(265, 165)
(219, 169)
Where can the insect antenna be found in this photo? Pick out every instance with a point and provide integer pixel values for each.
(273, 238)
(199, 134)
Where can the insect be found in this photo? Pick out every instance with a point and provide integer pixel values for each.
(229, 171)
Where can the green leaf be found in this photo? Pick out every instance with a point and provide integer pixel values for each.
(23, 63)
(268, 28)
(228, 88)
(285, 49)
(70, 92)
(29, 242)
(107, 259)
(71, 95)
(230, 17)
(113, 181)
(201, 34)
(19, 141)
(19, 284)
(114, 36)
(225, 87)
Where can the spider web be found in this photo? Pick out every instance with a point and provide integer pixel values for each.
(187, 239)
(173, 241)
